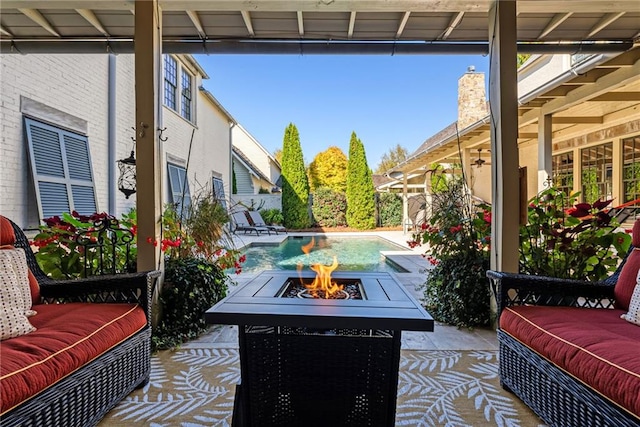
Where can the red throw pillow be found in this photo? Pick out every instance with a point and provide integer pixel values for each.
(627, 280)
(7, 237)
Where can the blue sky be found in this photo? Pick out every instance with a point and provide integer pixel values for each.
(386, 100)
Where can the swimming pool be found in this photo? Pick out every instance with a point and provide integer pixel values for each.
(353, 253)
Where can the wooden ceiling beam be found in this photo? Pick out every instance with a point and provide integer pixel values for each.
(527, 135)
(403, 23)
(455, 20)
(37, 17)
(93, 20)
(617, 96)
(246, 17)
(554, 23)
(352, 24)
(195, 19)
(604, 23)
(300, 23)
(556, 120)
(5, 32)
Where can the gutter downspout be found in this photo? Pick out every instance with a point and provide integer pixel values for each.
(111, 135)
(230, 181)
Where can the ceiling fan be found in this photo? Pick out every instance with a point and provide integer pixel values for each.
(479, 161)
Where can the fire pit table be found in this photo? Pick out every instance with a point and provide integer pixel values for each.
(308, 361)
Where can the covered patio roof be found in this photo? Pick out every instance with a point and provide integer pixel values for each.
(363, 26)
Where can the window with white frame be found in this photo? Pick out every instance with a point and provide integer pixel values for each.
(597, 172)
(218, 191)
(178, 92)
(185, 103)
(631, 168)
(179, 188)
(61, 169)
(170, 81)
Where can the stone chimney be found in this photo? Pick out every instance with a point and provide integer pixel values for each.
(472, 99)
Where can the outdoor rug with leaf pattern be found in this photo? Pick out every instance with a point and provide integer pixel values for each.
(195, 387)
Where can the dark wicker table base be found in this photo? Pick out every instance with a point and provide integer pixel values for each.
(305, 377)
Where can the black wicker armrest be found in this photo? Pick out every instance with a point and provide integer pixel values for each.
(118, 288)
(520, 289)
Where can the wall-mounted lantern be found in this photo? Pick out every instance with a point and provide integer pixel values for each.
(127, 178)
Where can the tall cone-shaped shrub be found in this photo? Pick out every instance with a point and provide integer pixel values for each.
(361, 202)
(295, 184)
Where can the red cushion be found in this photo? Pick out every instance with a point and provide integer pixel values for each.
(7, 237)
(593, 345)
(627, 280)
(67, 337)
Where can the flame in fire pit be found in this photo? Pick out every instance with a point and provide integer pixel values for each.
(322, 286)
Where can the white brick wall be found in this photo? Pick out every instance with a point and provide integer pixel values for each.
(77, 85)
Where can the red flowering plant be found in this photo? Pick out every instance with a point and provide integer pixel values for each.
(199, 234)
(457, 235)
(198, 253)
(67, 246)
(566, 239)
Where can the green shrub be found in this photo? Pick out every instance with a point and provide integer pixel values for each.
(295, 184)
(390, 209)
(329, 207)
(361, 203)
(191, 287)
(272, 216)
(458, 236)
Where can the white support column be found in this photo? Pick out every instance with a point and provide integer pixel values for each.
(504, 136)
(405, 204)
(545, 163)
(148, 69)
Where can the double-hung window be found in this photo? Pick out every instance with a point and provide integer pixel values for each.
(179, 186)
(170, 81)
(185, 110)
(218, 191)
(61, 169)
(178, 92)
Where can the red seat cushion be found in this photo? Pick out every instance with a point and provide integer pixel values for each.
(627, 280)
(67, 337)
(594, 345)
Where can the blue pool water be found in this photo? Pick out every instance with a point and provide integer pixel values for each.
(354, 253)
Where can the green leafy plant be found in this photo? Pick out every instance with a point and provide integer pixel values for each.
(272, 216)
(329, 207)
(68, 245)
(566, 239)
(390, 209)
(192, 285)
(457, 233)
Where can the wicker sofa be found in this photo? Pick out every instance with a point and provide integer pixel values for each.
(91, 346)
(565, 351)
